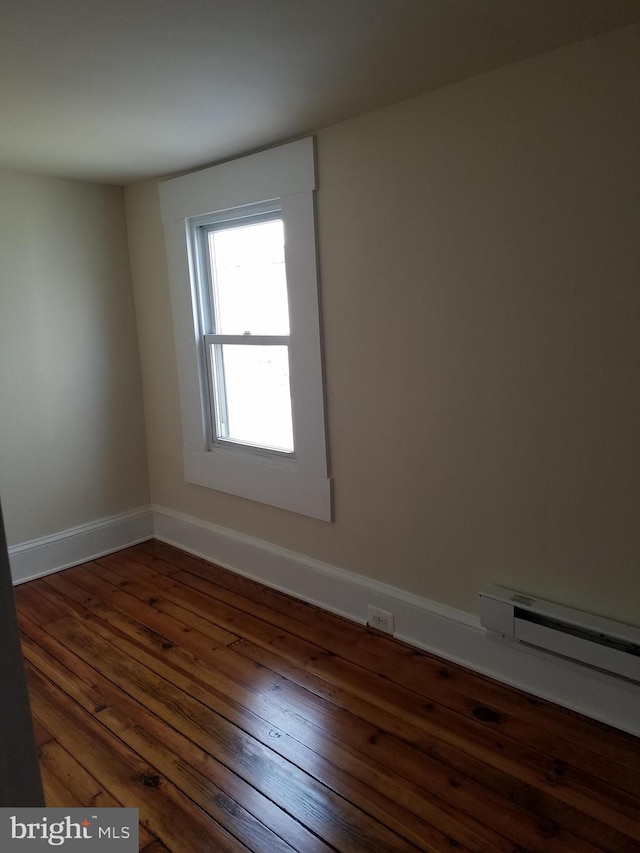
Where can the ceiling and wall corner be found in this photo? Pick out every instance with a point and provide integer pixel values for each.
(477, 250)
(480, 306)
(117, 92)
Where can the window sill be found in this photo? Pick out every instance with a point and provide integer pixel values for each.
(280, 483)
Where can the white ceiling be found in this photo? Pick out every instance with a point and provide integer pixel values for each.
(119, 90)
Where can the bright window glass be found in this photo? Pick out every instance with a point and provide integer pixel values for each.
(253, 399)
(249, 314)
(249, 279)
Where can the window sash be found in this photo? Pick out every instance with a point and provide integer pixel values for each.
(251, 340)
(202, 228)
(217, 391)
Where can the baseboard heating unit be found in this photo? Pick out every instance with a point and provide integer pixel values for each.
(602, 643)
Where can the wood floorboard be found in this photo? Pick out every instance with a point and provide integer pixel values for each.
(236, 718)
(551, 814)
(401, 664)
(80, 786)
(535, 768)
(149, 736)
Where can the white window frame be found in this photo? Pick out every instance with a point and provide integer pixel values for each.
(297, 482)
(199, 228)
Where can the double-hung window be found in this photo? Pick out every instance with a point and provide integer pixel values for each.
(243, 274)
(242, 284)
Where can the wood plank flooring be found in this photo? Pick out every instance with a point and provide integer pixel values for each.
(239, 719)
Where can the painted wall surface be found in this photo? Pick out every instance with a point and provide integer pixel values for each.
(72, 445)
(480, 296)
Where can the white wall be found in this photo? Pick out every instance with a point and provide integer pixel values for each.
(480, 270)
(72, 445)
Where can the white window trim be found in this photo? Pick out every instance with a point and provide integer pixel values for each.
(287, 173)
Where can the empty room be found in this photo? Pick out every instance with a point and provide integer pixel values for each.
(319, 425)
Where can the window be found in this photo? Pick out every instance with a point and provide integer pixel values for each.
(242, 286)
(242, 264)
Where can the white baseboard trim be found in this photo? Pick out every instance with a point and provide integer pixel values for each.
(30, 560)
(452, 634)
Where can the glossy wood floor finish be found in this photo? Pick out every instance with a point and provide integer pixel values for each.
(238, 719)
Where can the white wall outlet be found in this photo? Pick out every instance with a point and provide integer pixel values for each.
(380, 619)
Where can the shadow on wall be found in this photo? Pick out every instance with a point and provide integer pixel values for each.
(20, 783)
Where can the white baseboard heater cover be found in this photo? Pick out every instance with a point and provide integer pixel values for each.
(602, 643)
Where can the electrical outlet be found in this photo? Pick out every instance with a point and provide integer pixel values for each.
(380, 619)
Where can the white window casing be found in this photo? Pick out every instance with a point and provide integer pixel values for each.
(286, 174)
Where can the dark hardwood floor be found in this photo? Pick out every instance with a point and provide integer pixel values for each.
(238, 719)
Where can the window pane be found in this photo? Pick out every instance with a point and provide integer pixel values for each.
(249, 279)
(253, 395)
